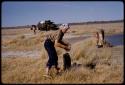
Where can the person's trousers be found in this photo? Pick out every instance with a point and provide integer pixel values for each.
(53, 58)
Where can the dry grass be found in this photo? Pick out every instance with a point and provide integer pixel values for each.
(107, 62)
(23, 42)
(30, 70)
(20, 41)
(15, 31)
(110, 28)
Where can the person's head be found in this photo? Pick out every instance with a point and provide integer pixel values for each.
(64, 28)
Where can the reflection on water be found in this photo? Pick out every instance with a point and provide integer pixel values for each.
(116, 39)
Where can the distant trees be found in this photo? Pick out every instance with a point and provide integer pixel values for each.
(47, 25)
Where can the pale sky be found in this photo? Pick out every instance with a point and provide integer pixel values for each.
(30, 12)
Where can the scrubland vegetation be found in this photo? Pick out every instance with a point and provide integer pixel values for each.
(89, 64)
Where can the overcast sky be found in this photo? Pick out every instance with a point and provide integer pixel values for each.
(27, 13)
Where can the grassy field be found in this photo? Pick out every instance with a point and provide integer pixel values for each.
(90, 65)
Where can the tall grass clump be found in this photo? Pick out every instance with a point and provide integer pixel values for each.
(86, 52)
(24, 43)
(79, 49)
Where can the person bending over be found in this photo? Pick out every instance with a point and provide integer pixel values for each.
(52, 41)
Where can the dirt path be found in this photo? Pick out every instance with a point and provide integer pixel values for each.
(36, 53)
(33, 53)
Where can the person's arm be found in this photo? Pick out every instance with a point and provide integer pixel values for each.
(66, 42)
(58, 44)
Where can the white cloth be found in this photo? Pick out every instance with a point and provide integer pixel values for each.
(64, 26)
(42, 22)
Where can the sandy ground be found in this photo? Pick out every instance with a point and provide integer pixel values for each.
(36, 53)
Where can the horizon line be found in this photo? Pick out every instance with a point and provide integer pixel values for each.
(74, 22)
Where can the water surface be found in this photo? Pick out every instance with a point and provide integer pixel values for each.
(117, 39)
